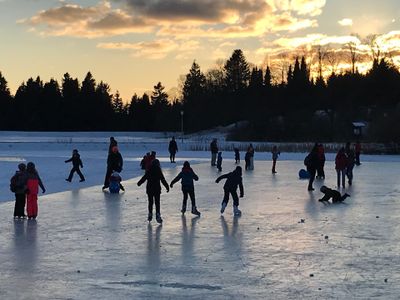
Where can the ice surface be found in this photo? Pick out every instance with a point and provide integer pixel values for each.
(90, 245)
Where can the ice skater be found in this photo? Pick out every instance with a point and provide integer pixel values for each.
(33, 184)
(153, 188)
(76, 163)
(335, 195)
(275, 154)
(214, 151)
(172, 148)
(237, 155)
(341, 167)
(187, 176)
(114, 163)
(18, 187)
(233, 180)
(219, 162)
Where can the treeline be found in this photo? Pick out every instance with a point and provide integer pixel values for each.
(299, 107)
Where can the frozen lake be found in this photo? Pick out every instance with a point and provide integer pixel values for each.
(87, 244)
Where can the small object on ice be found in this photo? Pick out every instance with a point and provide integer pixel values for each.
(125, 274)
(302, 220)
(326, 237)
(222, 270)
(311, 275)
(319, 289)
(377, 217)
(78, 271)
(258, 228)
(137, 198)
(386, 280)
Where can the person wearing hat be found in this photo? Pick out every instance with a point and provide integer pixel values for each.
(76, 163)
(18, 186)
(114, 163)
(33, 184)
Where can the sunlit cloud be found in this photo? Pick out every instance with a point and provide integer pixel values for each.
(345, 22)
(308, 7)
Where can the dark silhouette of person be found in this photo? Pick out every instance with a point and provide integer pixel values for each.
(237, 155)
(321, 162)
(214, 151)
(335, 195)
(113, 143)
(351, 160)
(76, 163)
(233, 181)
(172, 148)
(114, 163)
(154, 177)
(311, 162)
(21, 178)
(357, 148)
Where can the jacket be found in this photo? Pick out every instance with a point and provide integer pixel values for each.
(153, 177)
(187, 175)
(233, 180)
(76, 160)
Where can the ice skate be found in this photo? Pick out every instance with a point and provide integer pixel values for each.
(183, 210)
(195, 211)
(223, 206)
(150, 217)
(236, 211)
(158, 218)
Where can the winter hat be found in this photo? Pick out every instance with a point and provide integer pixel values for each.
(323, 189)
(155, 163)
(238, 170)
(30, 166)
(22, 167)
(186, 164)
(75, 151)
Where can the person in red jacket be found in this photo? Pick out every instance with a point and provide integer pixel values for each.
(340, 166)
(33, 184)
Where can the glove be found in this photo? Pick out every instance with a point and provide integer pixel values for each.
(167, 190)
(65, 161)
(43, 191)
(241, 195)
(171, 185)
(216, 181)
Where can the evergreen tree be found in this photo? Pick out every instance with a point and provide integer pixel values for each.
(237, 72)
(5, 104)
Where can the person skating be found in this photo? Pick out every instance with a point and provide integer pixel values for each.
(335, 195)
(250, 150)
(311, 162)
(275, 154)
(33, 183)
(357, 148)
(153, 188)
(340, 167)
(187, 176)
(172, 148)
(350, 162)
(247, 160)
(237, 155)
(149, 160)
(219, 162)
(321, 162)
(114, 163)
(76, 163)
(18, 187)
(233, 181)
(113, 143)
(214, 151)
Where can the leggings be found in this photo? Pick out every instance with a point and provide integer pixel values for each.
(234, 196)
(154, 198)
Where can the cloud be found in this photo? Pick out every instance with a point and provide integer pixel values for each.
(157, 49)
(346, 22)
(308, 7)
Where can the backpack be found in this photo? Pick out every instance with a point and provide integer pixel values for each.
(13, 183)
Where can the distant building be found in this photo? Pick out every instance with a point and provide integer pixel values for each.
(359, 129)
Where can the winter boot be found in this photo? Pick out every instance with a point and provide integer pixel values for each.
(158, 218)
(236, 211)
(183, 210)
(195, 211)
(223, 206)
(150, 217)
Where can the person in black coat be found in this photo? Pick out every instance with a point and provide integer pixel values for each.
(233, 181)
(335, 195)
(114, 163)
(311, 162)
(172, 148)
(214, 151)
(76, 163)
(154, 177)
(20, 181)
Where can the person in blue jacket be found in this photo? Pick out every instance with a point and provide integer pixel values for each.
(187, 176)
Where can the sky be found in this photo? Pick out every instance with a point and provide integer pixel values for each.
(134, 44)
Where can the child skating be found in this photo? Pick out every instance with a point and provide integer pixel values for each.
(115, 183)
(219, 162)
(33, 184)
(233, 180)
(76, 163)
(187, 176)
(275, 154)
(153, 188)
(237, 155)
(335, 195)
(18, 186)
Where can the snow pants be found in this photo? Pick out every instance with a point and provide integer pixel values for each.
(154, 199)
(32, 205)
(19, 209)
(188, 192)
(78, 171)
(235, 197)
(273, 165)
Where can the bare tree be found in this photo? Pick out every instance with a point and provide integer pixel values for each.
(352, 47)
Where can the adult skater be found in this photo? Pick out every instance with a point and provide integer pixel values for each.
(33, 184)
(335, 195)
(340, 167)
(113, 143)
(357, 148)
(214, 151)
(114, 163)
(351, 160)
(153, 188)
(311, 162)
(233, 180)
(172, 148)
(321, 162)
(187, 176)
(219, 162)
(275, 154)
(250, 150)
(76, 163)
(18, 187)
